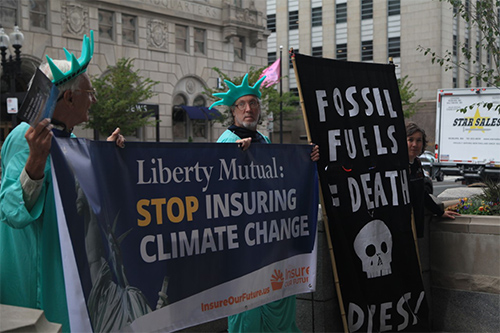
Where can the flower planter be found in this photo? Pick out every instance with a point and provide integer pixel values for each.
(465, 273)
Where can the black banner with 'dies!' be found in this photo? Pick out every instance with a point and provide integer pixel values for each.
(354, 114)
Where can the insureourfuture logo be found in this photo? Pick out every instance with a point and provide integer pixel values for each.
(295, 275)
(290, 276)
(277, 280)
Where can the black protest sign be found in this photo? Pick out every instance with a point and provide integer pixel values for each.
(354, 114)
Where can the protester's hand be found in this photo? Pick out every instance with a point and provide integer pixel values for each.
(450, 214)
(117, 138)
(39, 140)
(315, 153)
(245, 143)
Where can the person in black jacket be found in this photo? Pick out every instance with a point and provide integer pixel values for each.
(420, 199)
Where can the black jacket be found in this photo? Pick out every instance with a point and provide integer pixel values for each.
(420, 199)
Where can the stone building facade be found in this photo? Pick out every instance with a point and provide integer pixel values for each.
(175, 42)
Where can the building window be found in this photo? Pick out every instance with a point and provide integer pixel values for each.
(367, 50)
(455, 45)
(199, 40)
(199, 101)
(129, 24)
(181, 38)
(179, 123)
(293, 20)
(199, 126)
(271, 57)
(239, 43)
(271, 22)
(179, 118)
(8, 13)
(394, 47)
(341, 13)
(295, 92)
(38, 13)
(393, 7)
(317, 17)
(106, 25)
(317, 51)
(366, 9)
(341, 51)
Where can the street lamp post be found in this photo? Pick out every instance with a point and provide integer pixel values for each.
(11, 67)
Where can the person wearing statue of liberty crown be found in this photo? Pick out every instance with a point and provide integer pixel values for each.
(31, 273)
(244, 104)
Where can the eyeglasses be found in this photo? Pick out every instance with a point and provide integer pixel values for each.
(89, 91)
(254, 105)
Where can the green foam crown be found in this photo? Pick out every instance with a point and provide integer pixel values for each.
(229, 97)
(78, 66)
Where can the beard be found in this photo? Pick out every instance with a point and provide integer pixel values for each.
(250, 125)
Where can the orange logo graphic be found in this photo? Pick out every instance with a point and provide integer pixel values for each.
(277, 280)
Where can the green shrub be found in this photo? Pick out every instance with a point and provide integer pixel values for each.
(491, 192)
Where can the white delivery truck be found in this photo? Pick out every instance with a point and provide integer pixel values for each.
(468, 144)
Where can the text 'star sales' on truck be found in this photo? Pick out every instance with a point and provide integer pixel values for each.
(468, 144)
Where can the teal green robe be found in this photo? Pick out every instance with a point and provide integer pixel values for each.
(31, 273)
(228, 136)
(277, 316)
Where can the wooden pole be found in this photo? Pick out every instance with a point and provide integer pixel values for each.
(414, 232)
(325, 217)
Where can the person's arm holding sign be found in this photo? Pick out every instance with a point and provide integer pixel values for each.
(315, 153)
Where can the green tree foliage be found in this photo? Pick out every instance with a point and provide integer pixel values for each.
(484, 16)
(407, 94)
(119, 90)
(270, 99)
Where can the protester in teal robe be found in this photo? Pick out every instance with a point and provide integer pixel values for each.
(31, 273)
(30, 256)
(244, 103)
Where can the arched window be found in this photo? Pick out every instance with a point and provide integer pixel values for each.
(191, 119)
(199, 101)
